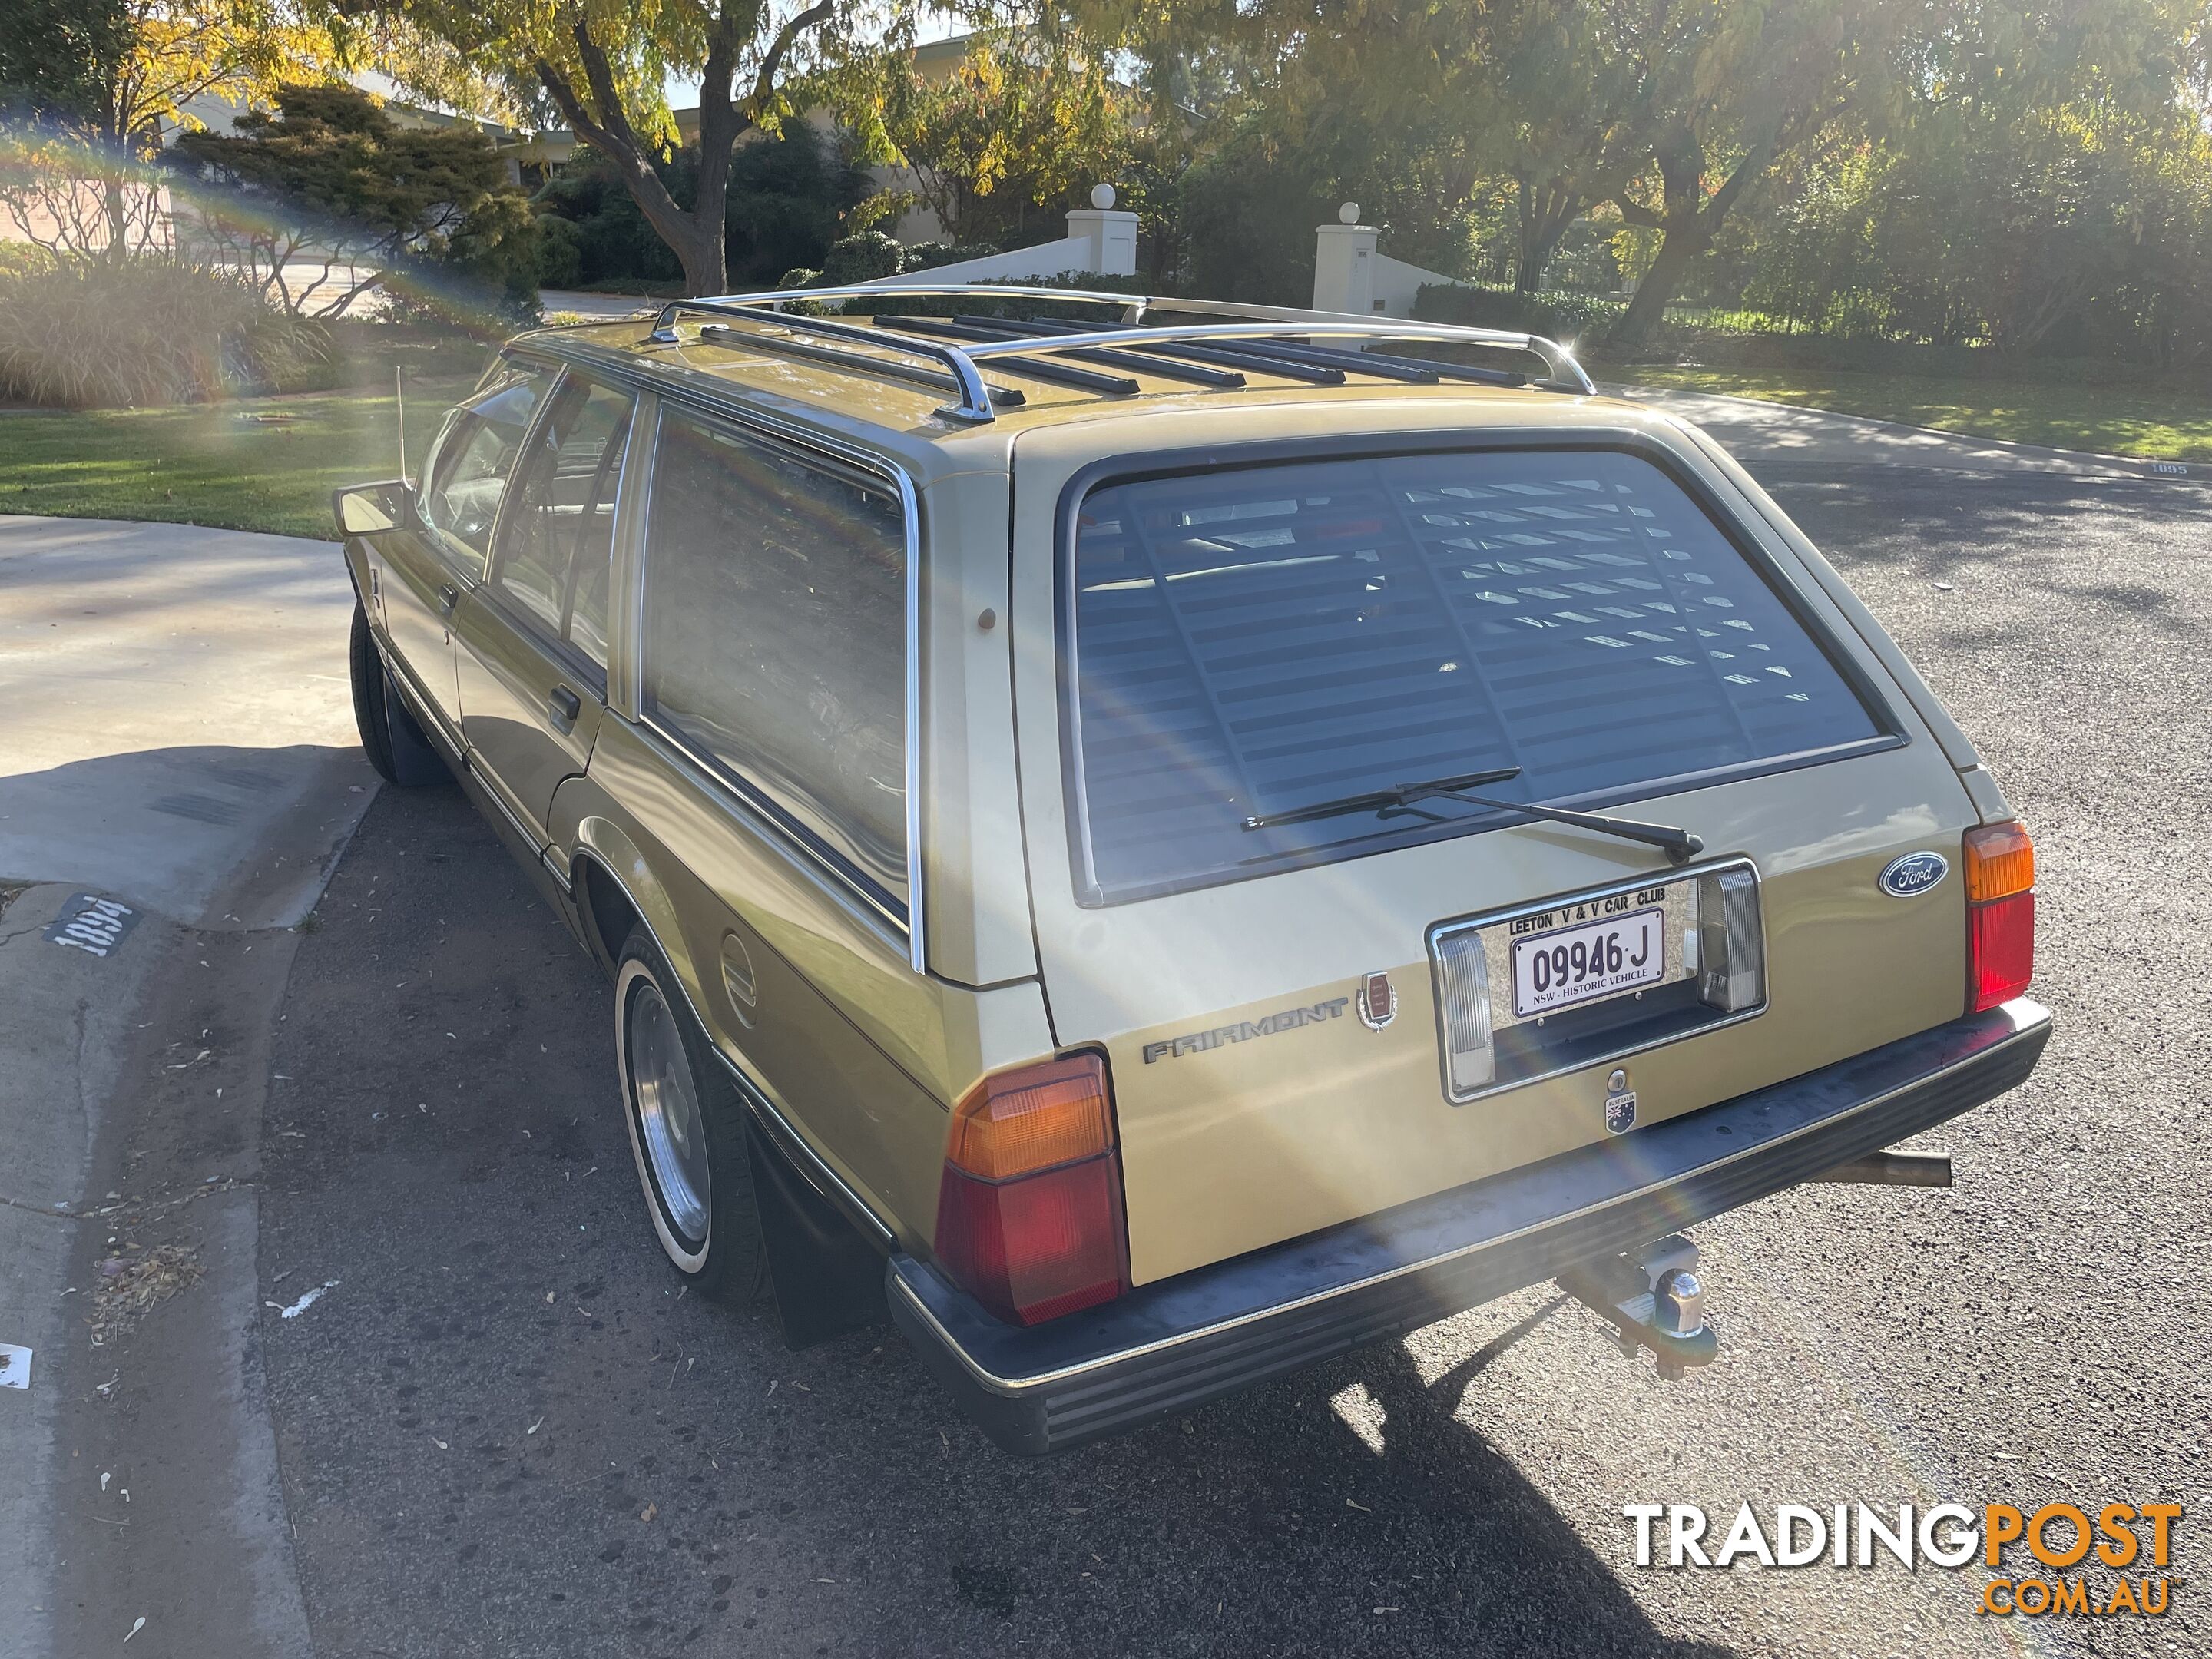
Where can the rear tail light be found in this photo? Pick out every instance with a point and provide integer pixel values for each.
(2000, 862)
(1029, 1211)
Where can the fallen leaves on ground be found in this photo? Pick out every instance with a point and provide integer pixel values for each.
(131, 1284)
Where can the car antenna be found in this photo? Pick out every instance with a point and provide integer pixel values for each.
(399, 399)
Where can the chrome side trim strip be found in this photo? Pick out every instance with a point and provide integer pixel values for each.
(917, 938)
(490, 786)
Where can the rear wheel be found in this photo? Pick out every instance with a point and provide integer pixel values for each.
(687, 1131)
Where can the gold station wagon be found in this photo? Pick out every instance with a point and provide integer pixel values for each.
(1172, 840)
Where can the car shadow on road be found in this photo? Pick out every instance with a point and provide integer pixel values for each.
(2077, 543)
(510, 1429)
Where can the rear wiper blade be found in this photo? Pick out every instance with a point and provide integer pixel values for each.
(1375, 801)
(1679, 845)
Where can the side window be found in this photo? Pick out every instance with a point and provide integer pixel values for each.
(476, 455)
(775, 636)
(559, 532)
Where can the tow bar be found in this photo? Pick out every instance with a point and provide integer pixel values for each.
(1652, 1297)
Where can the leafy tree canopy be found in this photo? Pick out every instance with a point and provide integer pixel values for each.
(330, 178)
(59, 57)
(598, 67)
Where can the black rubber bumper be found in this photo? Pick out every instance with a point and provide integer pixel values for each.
(1171, 1345)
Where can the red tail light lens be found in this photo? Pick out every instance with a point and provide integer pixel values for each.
(1029, 1211)
(2000, 873)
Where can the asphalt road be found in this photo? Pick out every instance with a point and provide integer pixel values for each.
(502, 1430)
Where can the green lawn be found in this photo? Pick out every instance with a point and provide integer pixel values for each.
(2160, 425)
(248, 463)
(270, 463)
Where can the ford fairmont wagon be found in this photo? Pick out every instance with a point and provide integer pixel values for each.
(1167, 841)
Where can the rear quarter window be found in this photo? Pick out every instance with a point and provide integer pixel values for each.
(1248, 639)
(774, 636)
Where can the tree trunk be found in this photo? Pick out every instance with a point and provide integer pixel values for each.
(703, 249)
(1681, 244)
(1548, 211)
(115, 205)
(696, 237)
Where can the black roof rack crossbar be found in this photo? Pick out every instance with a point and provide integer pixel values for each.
(1240, 356)
(1396, 365)
(1002, 328)
(1457, 370)
(1393, 365)
(1353, 363)
(1002, 397)
(1088, 379)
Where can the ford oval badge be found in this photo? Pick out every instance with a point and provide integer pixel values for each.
(1914, 874)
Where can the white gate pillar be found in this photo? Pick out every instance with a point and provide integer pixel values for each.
(1112, 236)
(1344, 264)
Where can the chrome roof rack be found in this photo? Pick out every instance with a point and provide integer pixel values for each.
(1321, 346)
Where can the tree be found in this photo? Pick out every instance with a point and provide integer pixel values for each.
(789, 199)
(1024, 120)
(1722, 90)
(57, 56)
(332, 177)
(1559, 94)
(116, 76)
(239, 50)
(599, 64)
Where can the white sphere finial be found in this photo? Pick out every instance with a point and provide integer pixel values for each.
(1348, 214)
(1101, 195)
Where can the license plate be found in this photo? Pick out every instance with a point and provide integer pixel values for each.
(1590, 960)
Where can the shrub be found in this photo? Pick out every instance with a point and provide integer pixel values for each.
(560, 253)
(148, 331)
(861, 259)
(1557, 315)
(927, 256)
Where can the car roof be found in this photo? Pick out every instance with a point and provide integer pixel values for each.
(859, 383)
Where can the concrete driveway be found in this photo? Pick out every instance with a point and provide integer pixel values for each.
(179, 729)
(178, 759)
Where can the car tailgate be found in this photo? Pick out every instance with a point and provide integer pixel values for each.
(1275, 1038)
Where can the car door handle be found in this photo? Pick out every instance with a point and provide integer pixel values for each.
(565, 704)
(448, 597)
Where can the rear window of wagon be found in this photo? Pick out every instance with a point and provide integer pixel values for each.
(1248, 639)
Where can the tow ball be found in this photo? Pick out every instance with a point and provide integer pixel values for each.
(1652, 1297)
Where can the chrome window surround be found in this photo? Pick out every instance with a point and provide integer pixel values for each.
(1438, 931)
(635, 569)
(470, 566)
(638, 412)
